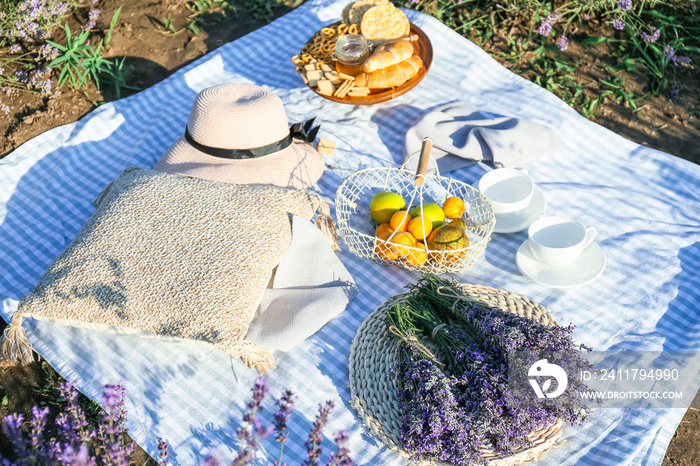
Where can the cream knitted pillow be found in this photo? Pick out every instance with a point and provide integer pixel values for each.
(173, 256)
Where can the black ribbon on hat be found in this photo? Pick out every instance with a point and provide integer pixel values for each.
(303, 131)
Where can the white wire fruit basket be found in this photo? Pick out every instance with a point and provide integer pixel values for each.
(359, 231)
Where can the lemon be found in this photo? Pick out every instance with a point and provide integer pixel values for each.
(432, 212)
(384, 205)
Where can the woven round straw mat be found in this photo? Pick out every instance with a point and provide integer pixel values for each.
(373, 391)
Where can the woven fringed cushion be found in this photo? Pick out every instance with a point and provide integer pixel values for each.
(173, 256)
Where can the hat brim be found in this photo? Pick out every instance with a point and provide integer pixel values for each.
(298, 166)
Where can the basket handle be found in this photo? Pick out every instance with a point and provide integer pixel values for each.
(423, 160)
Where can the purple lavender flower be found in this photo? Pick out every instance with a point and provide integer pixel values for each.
(79, 456)
(313, 444)
(448, 418)
(94, 14)
(113, 428)
(48, 52)
(651, 38)
(163, 454)
(586, 17)
(210, 460)
(340, 457)
(548, 22)
(618, 24)
(285, 405)
(625, 5)
(16, 48)
(677, 60)
(563, 43)
(432, 422)
(12, 427)
(251, 433)
(37, 433)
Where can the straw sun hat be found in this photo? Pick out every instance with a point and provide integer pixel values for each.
(239, 134)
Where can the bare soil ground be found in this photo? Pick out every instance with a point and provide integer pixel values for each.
(671, 125)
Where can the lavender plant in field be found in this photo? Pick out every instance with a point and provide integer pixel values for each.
(625, 5)
(285, 405)
(677, 60)
(163, 453)
(651, 38)
(563, 43)
(313, 444)
(32, 19)
(618, 24)
(74, 433)
(79, 443)
(548, 22)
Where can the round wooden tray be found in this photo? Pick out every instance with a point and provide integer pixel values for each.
(423, 49)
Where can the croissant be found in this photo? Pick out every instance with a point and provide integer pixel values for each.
(387, 55)
(391, 76)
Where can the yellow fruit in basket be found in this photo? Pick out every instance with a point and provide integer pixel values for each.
(403, 239)
(453, 207)
(418, 256)
(384, 205)
(420, 227)
(399, 221)
(384, 249)
(447, 238)
(431, 211)
(383, 228)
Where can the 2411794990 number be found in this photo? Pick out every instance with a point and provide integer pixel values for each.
(632, 374)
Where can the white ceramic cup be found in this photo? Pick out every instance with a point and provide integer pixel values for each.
(507, 189)
(558, 241)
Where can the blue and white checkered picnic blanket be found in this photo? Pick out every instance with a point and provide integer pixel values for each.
(644, 203)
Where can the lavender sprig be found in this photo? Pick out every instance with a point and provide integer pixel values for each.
(340, 457)
(313, 444)
(285, 405)
(251, 434)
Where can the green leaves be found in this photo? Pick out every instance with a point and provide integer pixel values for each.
(71, 61)
(597, 40)
(79, 64)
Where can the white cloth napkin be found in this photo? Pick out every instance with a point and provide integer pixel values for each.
(310, 287)
(463, 135)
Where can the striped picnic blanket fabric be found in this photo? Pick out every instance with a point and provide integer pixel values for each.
(644, 203)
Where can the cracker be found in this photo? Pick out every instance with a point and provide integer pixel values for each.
(325, 146)
(333, 77)
(345, 15)
(314, 74)
(384, 23)
(344, 88)
(325, 87)
(360, 7)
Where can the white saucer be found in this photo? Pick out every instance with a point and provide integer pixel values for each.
(520, 220)
(587, 268)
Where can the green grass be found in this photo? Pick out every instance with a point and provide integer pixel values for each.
(587, 23)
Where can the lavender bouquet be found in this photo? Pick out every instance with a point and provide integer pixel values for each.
(464, 400)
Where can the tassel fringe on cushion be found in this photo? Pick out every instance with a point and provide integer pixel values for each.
(255, 356)
(15, 346)
(324, 222)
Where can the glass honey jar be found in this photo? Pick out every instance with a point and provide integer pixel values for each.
(351, 51)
